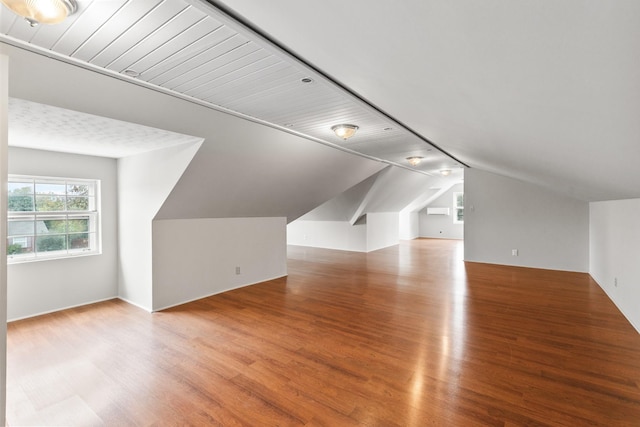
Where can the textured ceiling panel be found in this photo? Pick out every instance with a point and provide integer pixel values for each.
(58, 129)
(191, 49)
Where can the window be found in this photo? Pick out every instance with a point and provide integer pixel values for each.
(51, 218)
(458, 208)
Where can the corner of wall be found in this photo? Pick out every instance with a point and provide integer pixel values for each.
(549, 230)
(614, 250)
(144, 183)
(4, 141)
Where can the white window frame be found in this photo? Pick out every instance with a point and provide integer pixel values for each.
(457, 208)
(92, 214)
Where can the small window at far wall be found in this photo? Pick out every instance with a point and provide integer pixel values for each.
(458, 208)
(51, 218)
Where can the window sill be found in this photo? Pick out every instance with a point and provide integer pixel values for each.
(25, 260)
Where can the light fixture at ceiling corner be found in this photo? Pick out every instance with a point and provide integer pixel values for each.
(42, 11)
(414, 160)
(445, 172)
(344, 131)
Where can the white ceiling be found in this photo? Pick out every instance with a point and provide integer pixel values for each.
(189, 49)
(44, 127)
(544, 91)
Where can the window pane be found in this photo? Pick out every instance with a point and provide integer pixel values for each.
(78, 203)
(460, 199)
(19, 203)
(50, 188)
(51, 243)
(20, 196)
(23, 187)
(79, 241)
(460, 215)
(49, 203)
(77, 189)
(19, 245)
(51, 226)
(21, 227)
(78, 225)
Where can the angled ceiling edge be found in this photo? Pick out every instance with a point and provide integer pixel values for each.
(192, 50)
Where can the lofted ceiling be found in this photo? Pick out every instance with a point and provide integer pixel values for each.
(191, 50)
(546, 92)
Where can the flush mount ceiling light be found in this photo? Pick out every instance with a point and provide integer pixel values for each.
(445, 172)
(42, 11)
(344, 131)
(415, 160)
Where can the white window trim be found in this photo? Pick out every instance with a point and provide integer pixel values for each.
(94, 214)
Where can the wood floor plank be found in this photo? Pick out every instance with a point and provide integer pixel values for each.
(405, 336)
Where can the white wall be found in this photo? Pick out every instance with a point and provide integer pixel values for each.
(49, 285)
(442, 226)
(4, 132)
(383, 230)
(144, 182)
(195, 258)
(549, 230)
(409, 225)
(614, 252)
(379, 231)
(339, 235)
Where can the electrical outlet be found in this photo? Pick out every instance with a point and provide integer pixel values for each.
(514, 252)
(615, 282)
(237, 270)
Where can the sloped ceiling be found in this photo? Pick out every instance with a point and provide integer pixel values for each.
(242, 169)
(344, 206)
(396, 189)
(390, 190)
(546, 92)
(191, 50)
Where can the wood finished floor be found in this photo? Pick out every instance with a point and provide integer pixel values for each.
(405, 336)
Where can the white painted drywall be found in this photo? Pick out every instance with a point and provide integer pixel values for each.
(614, 253)
(49, 285)
(409, 225)
(144, 182)
(383, 230)
(195, 258)
(339, 235)
(345, 205)
(4, 132)
(243, 169)
(380, 230)
(442, 226)
(549, 230)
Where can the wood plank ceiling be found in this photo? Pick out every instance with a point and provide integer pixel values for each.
(191, 49)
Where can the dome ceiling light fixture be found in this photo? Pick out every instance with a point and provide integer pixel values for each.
(445, 172)
(414, 160)
(131, 73)
(344, 131)
(42, 11)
